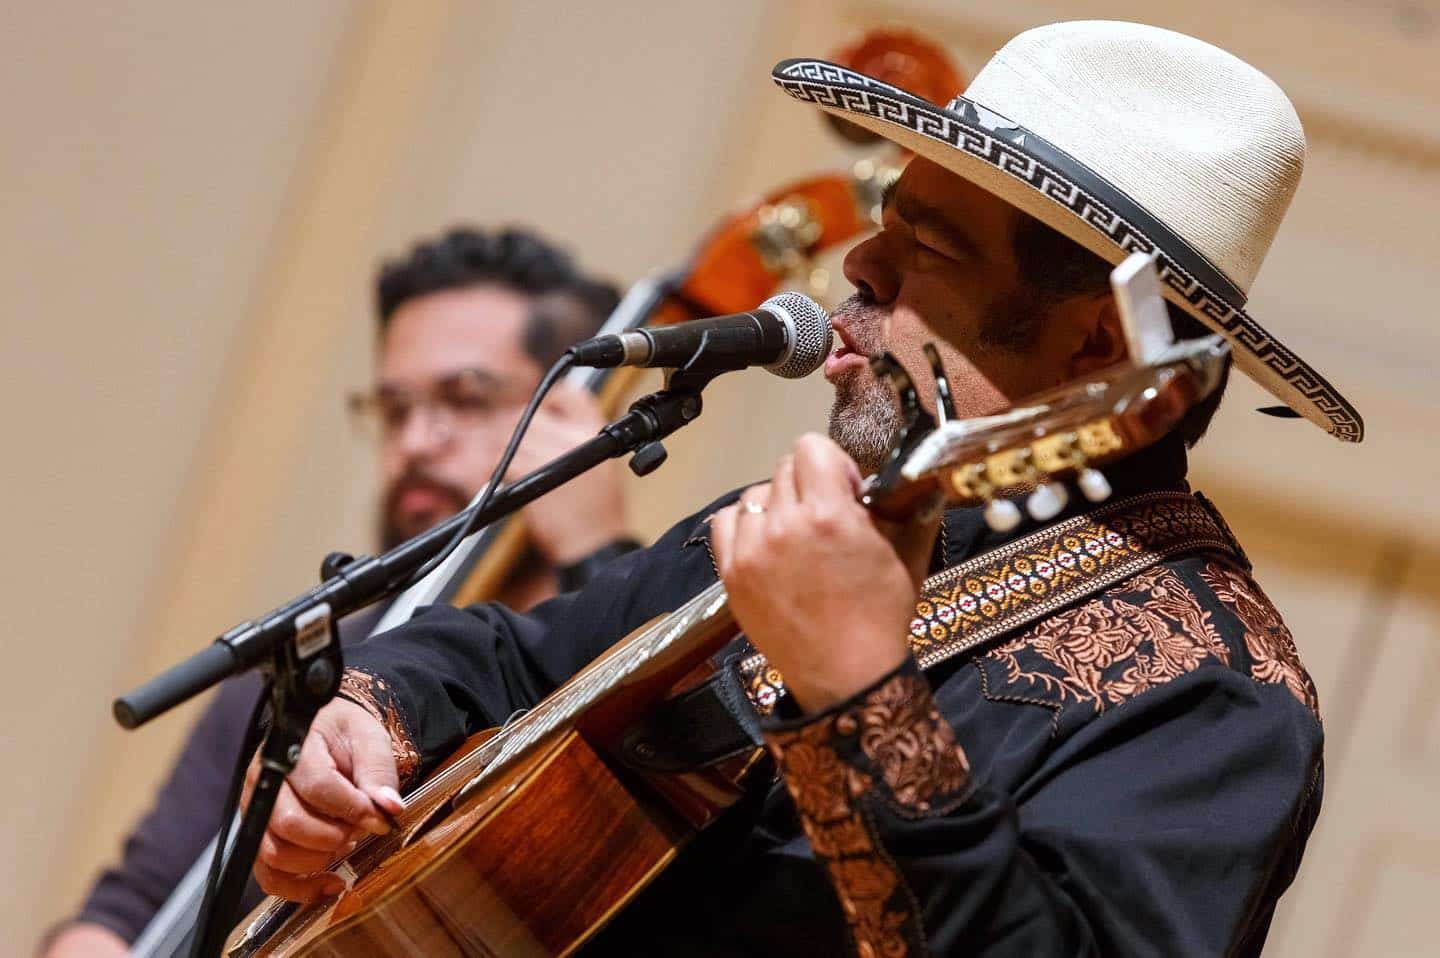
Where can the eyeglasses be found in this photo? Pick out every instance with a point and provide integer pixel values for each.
(463, 401)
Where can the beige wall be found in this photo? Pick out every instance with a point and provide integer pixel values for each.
(194, 197)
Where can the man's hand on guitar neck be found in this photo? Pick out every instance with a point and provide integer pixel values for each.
(342, 788)
(819, 586)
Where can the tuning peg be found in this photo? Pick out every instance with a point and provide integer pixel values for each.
(1046, 501)
(1002, 515)
(1094, 485)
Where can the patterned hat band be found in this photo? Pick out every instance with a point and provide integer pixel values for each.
(1031, 172)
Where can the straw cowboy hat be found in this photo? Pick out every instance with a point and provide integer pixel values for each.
(1123, 137)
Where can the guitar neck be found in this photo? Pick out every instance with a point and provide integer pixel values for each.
(626, 679)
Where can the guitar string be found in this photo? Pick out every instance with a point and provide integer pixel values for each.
(543, 719)
(539, 722)
(616, 663)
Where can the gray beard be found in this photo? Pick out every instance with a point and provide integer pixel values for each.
(864, 419)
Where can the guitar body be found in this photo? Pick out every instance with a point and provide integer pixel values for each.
(518, 854)
(510, 874)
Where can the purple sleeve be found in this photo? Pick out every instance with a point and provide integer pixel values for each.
(185, 816)
(186, 813)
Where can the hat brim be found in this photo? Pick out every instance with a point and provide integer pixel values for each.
(1033, 175)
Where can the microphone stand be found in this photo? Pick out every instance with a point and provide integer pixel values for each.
(298, 645)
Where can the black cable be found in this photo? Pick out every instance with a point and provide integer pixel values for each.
(560, 367)
(232, 803)
(252, 735)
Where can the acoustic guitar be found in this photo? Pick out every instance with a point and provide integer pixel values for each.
(528, 839)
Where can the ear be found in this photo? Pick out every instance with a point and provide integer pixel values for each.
(1101, 339)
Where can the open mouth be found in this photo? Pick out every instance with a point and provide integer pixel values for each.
(846, 354)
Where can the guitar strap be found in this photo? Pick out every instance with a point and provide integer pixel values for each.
(960, 609)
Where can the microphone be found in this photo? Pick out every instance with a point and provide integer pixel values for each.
(788, 334)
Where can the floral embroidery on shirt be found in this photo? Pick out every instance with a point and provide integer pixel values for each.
(892, 743)
(817, 776)
(825, 790)
(908, 742)
(1134, 638)
(372, 694)
(868, 884)
(1273, 655)
(989, 595)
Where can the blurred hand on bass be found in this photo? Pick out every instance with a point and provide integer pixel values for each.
(87, 940)
(586, 513)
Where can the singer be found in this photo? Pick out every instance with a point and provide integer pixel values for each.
(1135, 773)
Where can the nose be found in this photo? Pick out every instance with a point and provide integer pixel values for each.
(873, 268)
(423, 436)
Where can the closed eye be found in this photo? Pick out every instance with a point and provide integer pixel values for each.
(939, 247)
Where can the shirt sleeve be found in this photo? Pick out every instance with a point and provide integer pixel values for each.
(1165, 826)
(183, 820)
(166, 842)
(578, 574)
(450, 672)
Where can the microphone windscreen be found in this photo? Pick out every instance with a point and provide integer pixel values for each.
(810, 334)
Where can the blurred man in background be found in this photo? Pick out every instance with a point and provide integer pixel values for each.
(468, 323)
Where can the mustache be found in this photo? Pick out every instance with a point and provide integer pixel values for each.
(864, 322)
(419, 478)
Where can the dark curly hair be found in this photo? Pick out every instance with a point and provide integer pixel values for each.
(1054, 268)
(567, 305)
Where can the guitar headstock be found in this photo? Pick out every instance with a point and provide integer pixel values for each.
(1066, 434)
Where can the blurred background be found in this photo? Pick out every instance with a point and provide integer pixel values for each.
(195, 197)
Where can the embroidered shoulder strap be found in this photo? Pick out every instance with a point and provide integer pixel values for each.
(997, 592)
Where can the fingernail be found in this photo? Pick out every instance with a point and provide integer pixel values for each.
(390, 796)
(334, 886)
(376, 826)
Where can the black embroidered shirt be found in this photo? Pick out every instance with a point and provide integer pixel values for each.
(1135, 774)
